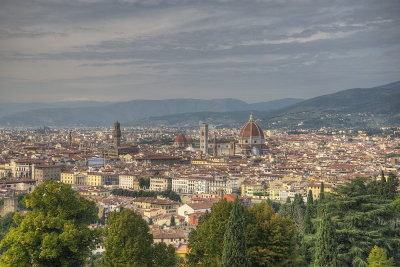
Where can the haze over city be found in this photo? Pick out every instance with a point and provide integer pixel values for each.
(252, 50)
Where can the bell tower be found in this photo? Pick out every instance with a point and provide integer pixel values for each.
(117, 135)
(204, 138)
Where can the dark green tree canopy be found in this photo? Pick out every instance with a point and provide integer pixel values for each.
(363, 220)
(128, 241)
(270, 237)
(234, 252)
(55, 232)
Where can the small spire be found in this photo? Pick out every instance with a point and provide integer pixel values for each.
(251, 116)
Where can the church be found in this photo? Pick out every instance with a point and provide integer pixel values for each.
(250, 141)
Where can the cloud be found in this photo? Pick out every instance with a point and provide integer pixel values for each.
(211, 47)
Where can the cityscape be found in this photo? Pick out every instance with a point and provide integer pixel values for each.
(174, 133)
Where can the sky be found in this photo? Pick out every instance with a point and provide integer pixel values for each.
(253, 50)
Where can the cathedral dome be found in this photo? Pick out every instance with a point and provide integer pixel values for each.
(180, 139)
(251, 129)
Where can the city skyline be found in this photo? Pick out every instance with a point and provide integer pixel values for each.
(254, 51)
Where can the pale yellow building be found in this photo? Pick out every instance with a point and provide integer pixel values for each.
(160, 183)
(101, 178)
(250, 188)
(316, 189)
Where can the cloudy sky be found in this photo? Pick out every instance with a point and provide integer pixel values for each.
(254, 50)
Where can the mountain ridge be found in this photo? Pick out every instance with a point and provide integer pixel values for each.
(103, 115)
(358, 107)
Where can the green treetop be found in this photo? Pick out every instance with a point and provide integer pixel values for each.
(128, 241)
(325, 247)
(270, 237)
(310, 199)
(234, 253)
(55, 232)
(172, 221)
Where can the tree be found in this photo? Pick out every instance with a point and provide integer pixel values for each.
(325, 247)
(273, 204)
(391, 187)
(298, 211)
(382, 189)
(362, 220)
(308, 227)
(321, 202)
(378, 258)
(270, 237)
(21, 202)
(206, 242)
(128, 241)
(308, 235)
(6, 223)
(144, 182)
(322, 191)
(172, 222)
(55, 232)
(163, 255)
(310, 199)
(234, 253)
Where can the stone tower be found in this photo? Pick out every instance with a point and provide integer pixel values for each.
(232, 149)
(204, 138)
(70, 138)
(117, 135)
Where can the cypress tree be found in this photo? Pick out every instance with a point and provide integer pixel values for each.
(382, 189)
(321, 193)
(310, 199)
(321, 202)
(325, 247)
(234, 252)
(392, 185)
(307, 225)
(172, 222)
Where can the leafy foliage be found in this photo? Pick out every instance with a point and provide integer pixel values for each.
(55, 232)
(206, 242)
(144, 182)
(172, 221)
(378, 258)
(325, 247)
(21, 202)
(363, 220)
(128, 241)
(271, 238)
(234, 252)
(6, 223)
(164, 255)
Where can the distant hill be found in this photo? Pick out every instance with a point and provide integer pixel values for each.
(90, 114)
(365, 108)
(369, 108)
(7, 108)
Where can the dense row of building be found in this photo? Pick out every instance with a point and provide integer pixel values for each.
(201, 165)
